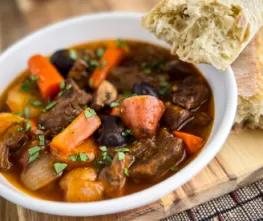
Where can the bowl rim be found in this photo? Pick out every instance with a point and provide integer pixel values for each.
(148, 195)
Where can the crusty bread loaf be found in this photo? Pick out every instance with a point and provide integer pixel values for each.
(206, 31)
(248, 69)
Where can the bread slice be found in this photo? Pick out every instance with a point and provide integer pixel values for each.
(206, 31)
(248, 69)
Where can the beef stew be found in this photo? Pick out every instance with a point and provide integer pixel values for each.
(102, 120)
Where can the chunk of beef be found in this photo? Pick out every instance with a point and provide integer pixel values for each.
(11, 141)
(123, 78)
(178, 70)
(68, 107)
(175, 117)
(104, 95)
(111, 132)
(154, 162)
(79, 73)
(201, 119)
(113, 176)
(191, 93)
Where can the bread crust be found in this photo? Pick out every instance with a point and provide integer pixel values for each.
(248, 69)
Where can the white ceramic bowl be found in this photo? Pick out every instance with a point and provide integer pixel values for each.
(106, 26)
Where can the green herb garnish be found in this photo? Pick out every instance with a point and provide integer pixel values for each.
(91, 82)
(50, 105)
(73, 54)
(41, 127)
(62, 85)
(69, 86)
(147, 71)
(94, 63)
(41, 140)
(60, 93)
(83, 157)
(34, 153)
(126, 172)
(35, 103)
(28, 126)
(89, 113)
(72, 158)
(134, 142)
(100, 52)
(18, 113)
(103, 148)
(126, 132)
(115, 104)
(28, 83)
(121, 155)
(120, 43)
(174, 168)
(20, 129)
(103, 63)
(27, 112)
(124, 150)
(33, 78)
(59, 167)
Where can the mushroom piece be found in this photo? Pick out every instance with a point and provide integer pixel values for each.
(105, 95)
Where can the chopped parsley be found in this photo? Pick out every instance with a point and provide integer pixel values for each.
(34, 153)
(59, 167)
(103, 149)
(174, 168)
(165, 89)
(100, 52)
(86, 58)
(126, 132)
(94, 63)
(121, 155)
(41, 140)
(50, 106)
(164, 84)
(33, 78)
(28, 83)
(27, 112)
(35, 103)
(134, 142)
(123, 150)
(62, 85)
(72, 158)
(41, 127)
(147, 71)
(126, 172)
(83, 157)
(60, 93)
(20, 129)
(28, 126)
(18, 113)
(79, 157)
(73, 54)
(115, 104)
(103, 63)
(120, 43)
(89, 113)
(69, 86)
(91, 82)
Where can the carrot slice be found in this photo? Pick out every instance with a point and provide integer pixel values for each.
(110, 59)
(49, 77)
(79, 130)
(193, 143)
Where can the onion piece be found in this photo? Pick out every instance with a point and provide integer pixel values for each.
(39, 173)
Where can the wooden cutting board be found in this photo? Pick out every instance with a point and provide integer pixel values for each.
(239, 163)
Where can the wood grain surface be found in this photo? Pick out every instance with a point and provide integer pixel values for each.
(239, 163)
